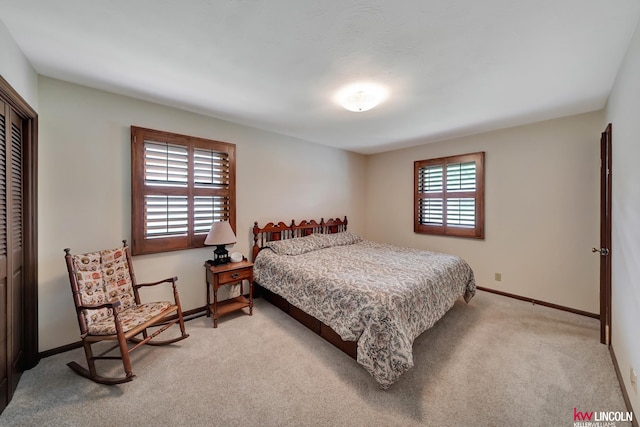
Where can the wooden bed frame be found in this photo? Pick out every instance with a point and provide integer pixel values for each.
(282, 231)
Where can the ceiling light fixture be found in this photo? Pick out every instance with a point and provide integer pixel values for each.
(360, 97)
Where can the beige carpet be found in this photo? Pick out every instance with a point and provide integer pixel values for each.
(494, 362)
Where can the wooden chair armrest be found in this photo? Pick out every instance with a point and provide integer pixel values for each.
(172, 280)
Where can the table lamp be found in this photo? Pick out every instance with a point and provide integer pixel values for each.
(220, 235)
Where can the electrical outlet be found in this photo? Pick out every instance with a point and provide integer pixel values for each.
(634, 379)
(498, 277)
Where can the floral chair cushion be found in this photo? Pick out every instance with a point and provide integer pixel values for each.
(102, 277)
(117, 278)
(129, 318)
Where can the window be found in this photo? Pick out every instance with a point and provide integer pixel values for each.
(180, 185)
(449, 196)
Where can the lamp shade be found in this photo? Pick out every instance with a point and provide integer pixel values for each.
(220, 234)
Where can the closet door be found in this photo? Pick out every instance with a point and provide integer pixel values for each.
(11, 252)
(18, 239)
(4, 345)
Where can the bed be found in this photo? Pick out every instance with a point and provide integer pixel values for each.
(371, 300)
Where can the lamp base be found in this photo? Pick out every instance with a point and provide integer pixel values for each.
(221, 256)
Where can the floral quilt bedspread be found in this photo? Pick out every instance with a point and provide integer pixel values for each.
(381, 296)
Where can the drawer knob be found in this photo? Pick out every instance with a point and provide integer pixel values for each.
(235, 275)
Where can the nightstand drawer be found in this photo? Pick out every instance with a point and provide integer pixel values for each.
(234, 275)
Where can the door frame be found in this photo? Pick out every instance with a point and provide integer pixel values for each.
(605, 235)
(30, 221)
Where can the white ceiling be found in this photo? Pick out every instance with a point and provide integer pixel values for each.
(452, 68)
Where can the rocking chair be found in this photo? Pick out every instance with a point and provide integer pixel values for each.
(108, 306)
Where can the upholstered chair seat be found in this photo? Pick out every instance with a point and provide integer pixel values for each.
(129, 318)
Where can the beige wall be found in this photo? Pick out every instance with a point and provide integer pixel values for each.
(16, 70)
(84, 190)
(623, 111)
(541, 208)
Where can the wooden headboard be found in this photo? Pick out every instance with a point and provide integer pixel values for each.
(282, 231)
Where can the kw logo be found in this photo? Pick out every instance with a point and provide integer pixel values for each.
(582, 416)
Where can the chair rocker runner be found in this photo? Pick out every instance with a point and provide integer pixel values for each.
(108, 307)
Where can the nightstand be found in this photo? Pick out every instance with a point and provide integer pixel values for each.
(223, 275)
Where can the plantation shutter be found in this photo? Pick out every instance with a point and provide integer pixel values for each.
(211, 170)
(180, 186)
(461, 180)
(165, 165)
(449, 196)
(430, 182)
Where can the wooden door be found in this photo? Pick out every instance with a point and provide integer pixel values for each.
(11, 256)
(605, 236)
(4, 307)
(18, 240)
(4, 344)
